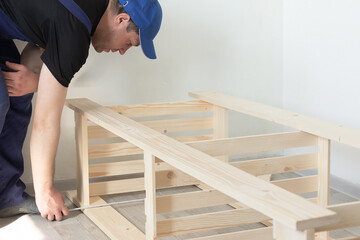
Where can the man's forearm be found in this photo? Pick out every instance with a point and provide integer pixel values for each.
(44, 141)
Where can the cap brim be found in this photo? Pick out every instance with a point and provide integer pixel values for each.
(148, 48)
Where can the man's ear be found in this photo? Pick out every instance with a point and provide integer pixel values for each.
(122, 18)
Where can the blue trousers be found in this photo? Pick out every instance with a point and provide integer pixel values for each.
(15, 114)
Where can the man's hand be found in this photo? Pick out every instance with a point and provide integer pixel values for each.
(51, 204)
(22, 81)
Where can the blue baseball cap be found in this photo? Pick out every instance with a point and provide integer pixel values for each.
(147, 16)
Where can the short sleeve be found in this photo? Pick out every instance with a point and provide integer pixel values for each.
(67, 46)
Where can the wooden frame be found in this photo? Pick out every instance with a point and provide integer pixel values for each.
(202, 160)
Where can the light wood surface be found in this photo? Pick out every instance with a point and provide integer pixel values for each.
(310, 125)
(255, 193)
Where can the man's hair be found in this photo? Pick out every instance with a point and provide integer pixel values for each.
(117, 8)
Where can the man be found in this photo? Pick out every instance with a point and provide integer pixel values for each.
(60, 31)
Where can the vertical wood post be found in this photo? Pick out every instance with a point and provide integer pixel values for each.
(324, 177)
(81, 136)
(150, 200)
(282, 232)
(221, 126)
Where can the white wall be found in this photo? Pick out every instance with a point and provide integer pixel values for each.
(322, 72)
(232, 46)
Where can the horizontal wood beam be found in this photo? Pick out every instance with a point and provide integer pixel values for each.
(159, 109)
(251, 191)
(281, 164)
(349, 214)
(208, 221)
(164, 179)
(324, 129)
(268, 142)
(254, 234)
(186, 201)
(255, 167)
(163, 126)
(299, 185)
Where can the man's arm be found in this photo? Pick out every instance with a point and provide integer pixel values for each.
(44, 141)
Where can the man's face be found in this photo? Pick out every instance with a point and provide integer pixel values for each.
(111, 35)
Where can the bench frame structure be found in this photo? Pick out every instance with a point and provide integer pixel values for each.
(202, 160)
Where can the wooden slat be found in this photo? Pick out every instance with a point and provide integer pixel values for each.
(255, 234)
(126, 148)
(185, 201)
(274, 165)
(111, 222)
(327, 130)
(164, 126)
(159, 109)
(299, 185)
(251, 191)
(268, 142)
(206, 221)
(256, 167)
(150, 199)
(164, 179)
(349, 214)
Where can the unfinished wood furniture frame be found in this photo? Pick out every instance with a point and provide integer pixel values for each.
(190, 160)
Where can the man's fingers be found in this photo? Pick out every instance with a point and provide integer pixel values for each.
(50, 217)
(58, 216)
(65, 211)
(14, 66)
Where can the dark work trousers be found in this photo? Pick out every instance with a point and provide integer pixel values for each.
(12, 136)
(15, 113)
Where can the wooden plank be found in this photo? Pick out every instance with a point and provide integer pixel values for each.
(327, 130)
(348, 214)
(268, 142)
(255, 167)
(251, 191)
(159, 109)
(164, 126)
(206, 221)
(150, 199)
(299, 185)
(185, 201)
(221, 127)
(82, 163)
(164, 179)
(111, 222)
(324, 177)
(254, 234)
(282, 164)
(282, 232)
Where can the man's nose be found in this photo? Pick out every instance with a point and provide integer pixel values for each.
(123, 50)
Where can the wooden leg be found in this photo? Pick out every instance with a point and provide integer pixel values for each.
(324, 178)
(282, 232)
(221, 126)
(150, 200)
(81, 135)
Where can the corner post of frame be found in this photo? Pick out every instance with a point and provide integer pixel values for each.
(150, 199)
(81, 136)
(282, 232)
(221, 126)
(324, 177)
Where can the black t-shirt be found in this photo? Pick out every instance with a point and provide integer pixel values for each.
(50, 25)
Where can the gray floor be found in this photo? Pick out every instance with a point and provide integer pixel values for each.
(78, 226)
